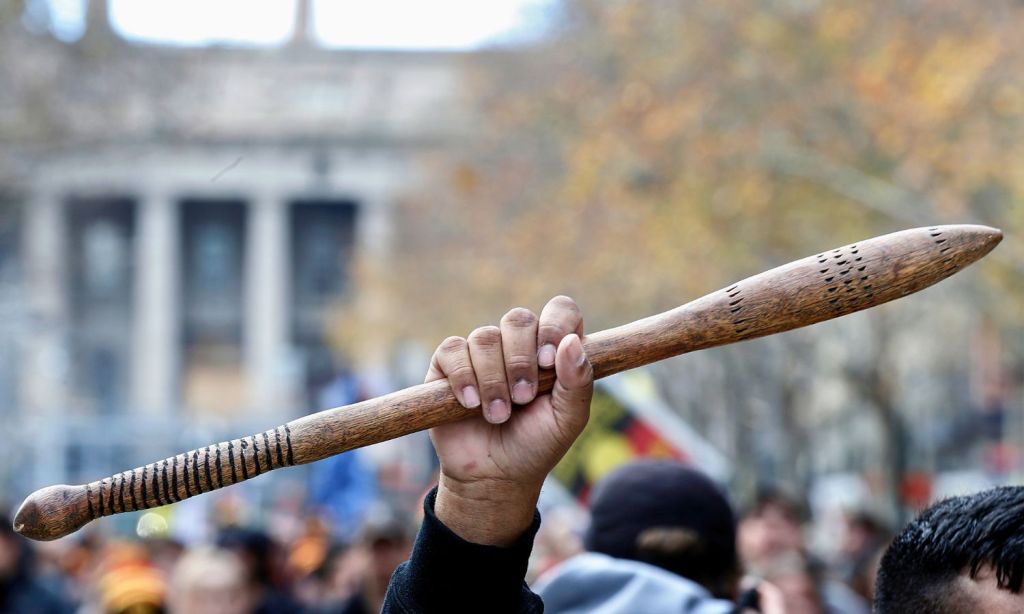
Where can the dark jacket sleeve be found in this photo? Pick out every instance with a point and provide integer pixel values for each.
(446, 573)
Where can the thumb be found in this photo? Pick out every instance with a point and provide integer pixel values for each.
(574, 385)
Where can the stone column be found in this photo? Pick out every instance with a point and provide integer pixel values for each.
(156, 346)
(46, 372)
(266, 306)
(46, 352)
(303, 35)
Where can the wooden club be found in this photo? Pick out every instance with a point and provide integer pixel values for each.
(816, 288)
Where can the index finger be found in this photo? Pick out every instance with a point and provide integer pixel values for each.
(560, 317)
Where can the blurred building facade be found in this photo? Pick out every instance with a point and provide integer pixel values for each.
(173, 256)
(177, 227)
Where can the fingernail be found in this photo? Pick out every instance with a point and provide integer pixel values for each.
(546, 355)
(497, 411)
(576, 347)
(522, 392)
(470, 396)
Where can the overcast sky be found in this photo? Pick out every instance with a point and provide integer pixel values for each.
(377, 24)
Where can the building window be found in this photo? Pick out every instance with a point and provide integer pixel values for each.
(212, 259)
(322, 240)
(101, 235)
(213, 233)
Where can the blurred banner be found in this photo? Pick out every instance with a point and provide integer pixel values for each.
(630, 421)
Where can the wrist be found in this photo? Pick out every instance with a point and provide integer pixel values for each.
(490, 512)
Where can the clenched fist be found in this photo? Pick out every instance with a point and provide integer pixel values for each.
(493, 465)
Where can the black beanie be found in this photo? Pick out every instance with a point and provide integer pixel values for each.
(664, 495)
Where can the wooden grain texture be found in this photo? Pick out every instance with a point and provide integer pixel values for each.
(820, 287)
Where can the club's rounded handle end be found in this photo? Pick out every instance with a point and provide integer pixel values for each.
(53, 512)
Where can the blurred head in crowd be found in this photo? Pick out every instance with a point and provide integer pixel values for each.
(128, 583)
(863, 544)
(265, 564)
(863, 532)
(384, 543)
(557, 540)
(797, 580)
(772, 526)
(21, 592)
(256, 551)
(164, 553)
(666, 514)
(14, 568)
(209, 581)
(964, 554)
(11, 553)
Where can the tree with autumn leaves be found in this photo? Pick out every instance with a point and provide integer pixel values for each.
(645, 153)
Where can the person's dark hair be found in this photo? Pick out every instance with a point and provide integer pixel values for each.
(257, 549)
(668, 515)
(790, 504)
(961, 535)
(869, 522)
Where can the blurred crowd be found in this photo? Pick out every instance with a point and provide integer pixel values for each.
(250, 570)
(243, 570)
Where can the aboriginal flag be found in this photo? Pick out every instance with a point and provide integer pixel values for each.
(628, 421)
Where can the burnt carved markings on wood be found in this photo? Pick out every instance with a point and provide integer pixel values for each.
(277, 442)
(936, 234)
(740, 324)
(288, 440)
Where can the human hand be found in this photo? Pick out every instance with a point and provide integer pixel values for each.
(493, 465)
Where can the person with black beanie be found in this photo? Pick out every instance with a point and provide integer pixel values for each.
(662, 538)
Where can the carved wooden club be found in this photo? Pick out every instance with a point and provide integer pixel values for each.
(816, 288)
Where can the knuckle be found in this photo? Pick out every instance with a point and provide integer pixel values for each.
(520, 317)
(452, 344)
(564, 302)
(551, 330)
(461, 372)
(520, 364)
(485, 336)
(493, 384)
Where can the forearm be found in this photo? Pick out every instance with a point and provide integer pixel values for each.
(447, 573)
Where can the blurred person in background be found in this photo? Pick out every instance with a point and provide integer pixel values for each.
(163, 553)
(796, 582)
(383, 543)
(801, 585)
(264, 563)
(211, 581)
(772, 547)
(772, 526)
(865, 540)
(21, 592)
(127, 582)
(662, 538)
(311, 555)
(557, 540)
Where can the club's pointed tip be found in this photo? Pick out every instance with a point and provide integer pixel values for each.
(979, 239)
(994, 235)
(987, 236)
